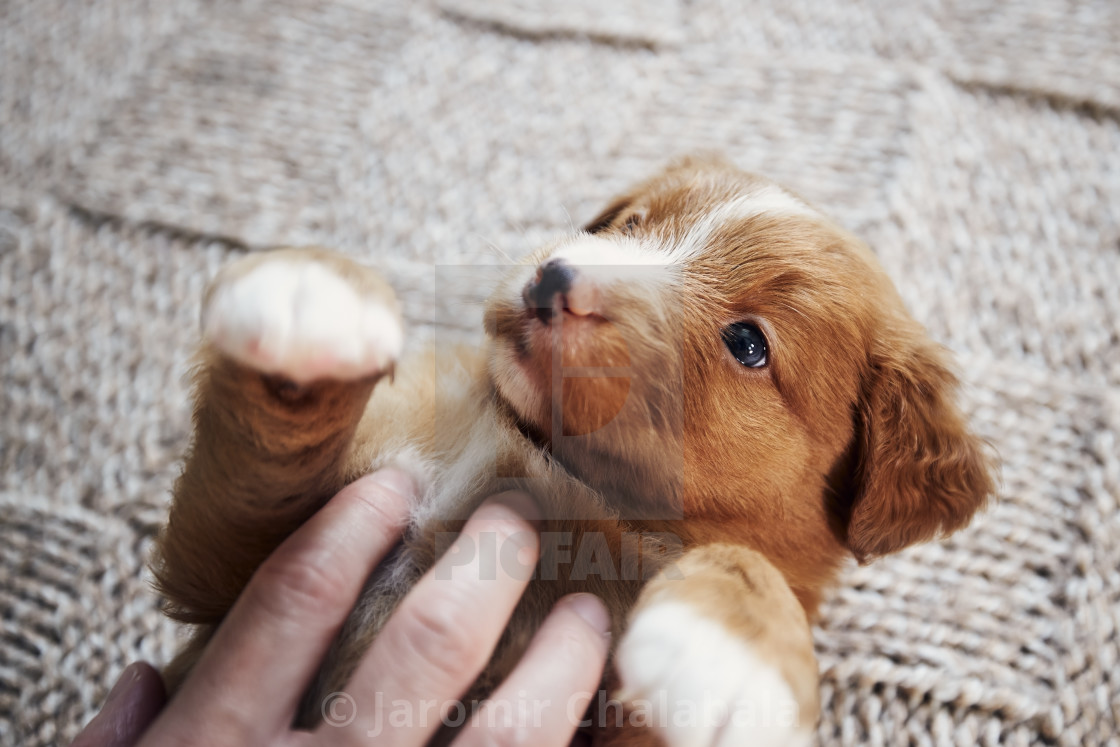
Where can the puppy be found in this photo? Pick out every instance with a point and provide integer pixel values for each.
(712, 385)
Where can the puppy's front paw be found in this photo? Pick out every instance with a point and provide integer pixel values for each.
(697, 683)
(297, 316)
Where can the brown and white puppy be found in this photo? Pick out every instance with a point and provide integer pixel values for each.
(712, 381)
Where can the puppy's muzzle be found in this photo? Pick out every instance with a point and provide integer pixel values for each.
(559, 287)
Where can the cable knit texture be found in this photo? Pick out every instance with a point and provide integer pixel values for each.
(974, 143)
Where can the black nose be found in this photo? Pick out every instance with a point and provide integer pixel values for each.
(553, 278)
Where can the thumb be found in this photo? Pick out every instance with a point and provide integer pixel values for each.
(133, 703)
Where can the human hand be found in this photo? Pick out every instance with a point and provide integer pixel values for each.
(246, 687)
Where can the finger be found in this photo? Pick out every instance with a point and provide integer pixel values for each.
(133, 703)
(443, 633)
(248, 682)
(545, 697)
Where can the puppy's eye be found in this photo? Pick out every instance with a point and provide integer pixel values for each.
(633, 221)
(747, 343)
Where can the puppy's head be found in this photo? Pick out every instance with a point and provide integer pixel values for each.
(714, 343)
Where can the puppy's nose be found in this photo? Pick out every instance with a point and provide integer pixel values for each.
(554, 278)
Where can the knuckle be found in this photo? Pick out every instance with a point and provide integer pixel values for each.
(298, 583)
(435, 633)
(385, 496)
(382, 508)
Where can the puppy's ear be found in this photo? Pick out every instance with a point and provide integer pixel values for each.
(603, 220)
(919, 472)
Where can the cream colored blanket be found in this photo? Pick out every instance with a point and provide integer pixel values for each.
(974, 143)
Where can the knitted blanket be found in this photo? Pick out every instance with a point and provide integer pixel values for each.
(975, 144)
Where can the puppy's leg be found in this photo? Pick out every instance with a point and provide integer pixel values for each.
(722, 656)
(295, 341)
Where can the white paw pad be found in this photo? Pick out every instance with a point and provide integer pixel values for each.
(697, 683)
(303, 321)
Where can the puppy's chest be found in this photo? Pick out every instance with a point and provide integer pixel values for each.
(461, 448)
(585, 546)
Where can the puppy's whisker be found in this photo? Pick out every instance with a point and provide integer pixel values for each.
(571, 223)
(521, 230)
(502, 254)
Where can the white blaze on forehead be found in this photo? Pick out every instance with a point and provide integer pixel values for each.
(770, 200)
(587, 250)
(603, 262)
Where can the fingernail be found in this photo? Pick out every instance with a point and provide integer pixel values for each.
(592, 610)
(521, 503)
(129, 677)
(395, 480)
